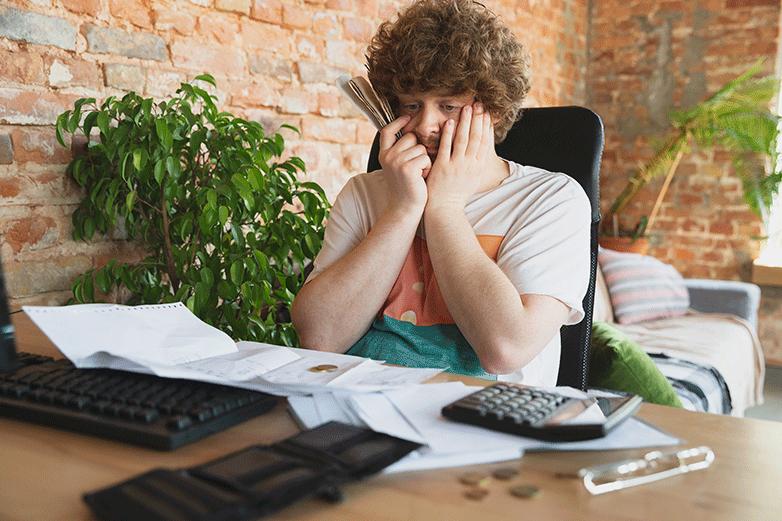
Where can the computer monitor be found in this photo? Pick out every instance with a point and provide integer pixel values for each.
(7, 344)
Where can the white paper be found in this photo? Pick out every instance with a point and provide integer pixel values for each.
(168, 334)
(168, 340)
(413, 413)
(421, 406)
(360, 93)
(245, 364)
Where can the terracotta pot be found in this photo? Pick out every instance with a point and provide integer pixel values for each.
(625, 244)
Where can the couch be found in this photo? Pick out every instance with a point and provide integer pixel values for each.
(703, 337)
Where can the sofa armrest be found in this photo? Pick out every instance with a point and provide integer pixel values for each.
(725, 296)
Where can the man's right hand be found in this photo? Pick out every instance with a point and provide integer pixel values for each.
(405, 166)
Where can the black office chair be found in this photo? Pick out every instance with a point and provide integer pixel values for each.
(568, 140)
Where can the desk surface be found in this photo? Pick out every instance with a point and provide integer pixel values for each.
(44, 472)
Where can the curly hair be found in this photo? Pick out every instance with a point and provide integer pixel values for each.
(453, 45)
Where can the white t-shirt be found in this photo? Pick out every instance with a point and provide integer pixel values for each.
(535, 225)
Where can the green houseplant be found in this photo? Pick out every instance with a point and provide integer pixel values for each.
(226, 224)
(737, 119)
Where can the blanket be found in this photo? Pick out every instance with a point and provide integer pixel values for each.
(718, 342)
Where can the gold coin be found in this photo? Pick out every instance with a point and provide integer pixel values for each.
(476, 493)
(325, 368)
(505, 473)
(476, 479)
(525, 491)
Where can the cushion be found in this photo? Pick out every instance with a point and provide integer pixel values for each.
(602, 310)
(641, 287)
(619, 364)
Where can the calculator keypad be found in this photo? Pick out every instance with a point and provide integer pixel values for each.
(522, 405)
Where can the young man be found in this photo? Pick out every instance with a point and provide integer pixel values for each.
(450, 256)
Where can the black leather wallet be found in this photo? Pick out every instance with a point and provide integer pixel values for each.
(255, 481)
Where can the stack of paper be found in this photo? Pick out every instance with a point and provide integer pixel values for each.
(414, 413)
(168, 340)
(360, 92)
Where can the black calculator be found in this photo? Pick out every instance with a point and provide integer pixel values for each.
(538, 413)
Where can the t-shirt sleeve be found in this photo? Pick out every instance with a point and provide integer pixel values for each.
(347, 226)
(546, 252)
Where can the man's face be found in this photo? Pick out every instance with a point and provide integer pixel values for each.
(428, 113)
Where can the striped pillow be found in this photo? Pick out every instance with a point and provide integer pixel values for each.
(642, 288)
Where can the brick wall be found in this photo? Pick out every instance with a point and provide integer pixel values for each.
(648, 57)
(275, 61)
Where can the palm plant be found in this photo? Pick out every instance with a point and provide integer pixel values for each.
(736, 118)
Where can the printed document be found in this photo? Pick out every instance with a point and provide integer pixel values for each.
(168, 340)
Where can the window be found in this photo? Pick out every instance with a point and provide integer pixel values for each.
(771, 253)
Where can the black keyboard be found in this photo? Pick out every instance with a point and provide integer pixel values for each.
(148, 410)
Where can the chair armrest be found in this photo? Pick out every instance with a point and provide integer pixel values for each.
(725, 296)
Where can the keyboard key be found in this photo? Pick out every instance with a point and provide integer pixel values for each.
(136, 408)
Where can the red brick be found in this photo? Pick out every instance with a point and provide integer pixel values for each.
(9, 187)
(329, 129)
(164, 84)
(216, 27)
(324, 24)
(683, 254)
(39, 145)
(294, 101)
(136, 12)
(340, 5)
(746, 4)
(254, 95)
(166, 20)
(309, 47)
(762, 48)
(296, 18)
(234, 6)
(65, 71)
(272, 40)
(28, 232)
(22, 67)
(216, 61)
(721, 228)
(367, 8)
(267, 11)
(32, 108)
(690, 199)
(356, 29)
(88, 7)
(328, 104)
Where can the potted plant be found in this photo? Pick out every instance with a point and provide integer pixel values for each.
(226, 224)
(736, 118)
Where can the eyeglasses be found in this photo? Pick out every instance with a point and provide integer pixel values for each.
(654, 466)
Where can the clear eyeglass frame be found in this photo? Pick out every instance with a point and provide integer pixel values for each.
(654, 466)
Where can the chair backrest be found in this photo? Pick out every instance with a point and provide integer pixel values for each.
(567, 140)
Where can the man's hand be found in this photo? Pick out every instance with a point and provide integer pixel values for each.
(405, 166)
(461, 159)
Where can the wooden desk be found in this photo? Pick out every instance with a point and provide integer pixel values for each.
(44, 472)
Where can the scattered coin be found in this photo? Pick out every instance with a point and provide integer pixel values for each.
(505, 473)
(476, 479)
(525, 491)
(476, 493)
(325, 368)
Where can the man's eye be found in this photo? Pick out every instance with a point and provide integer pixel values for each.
(411, 107)
(451, 108)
